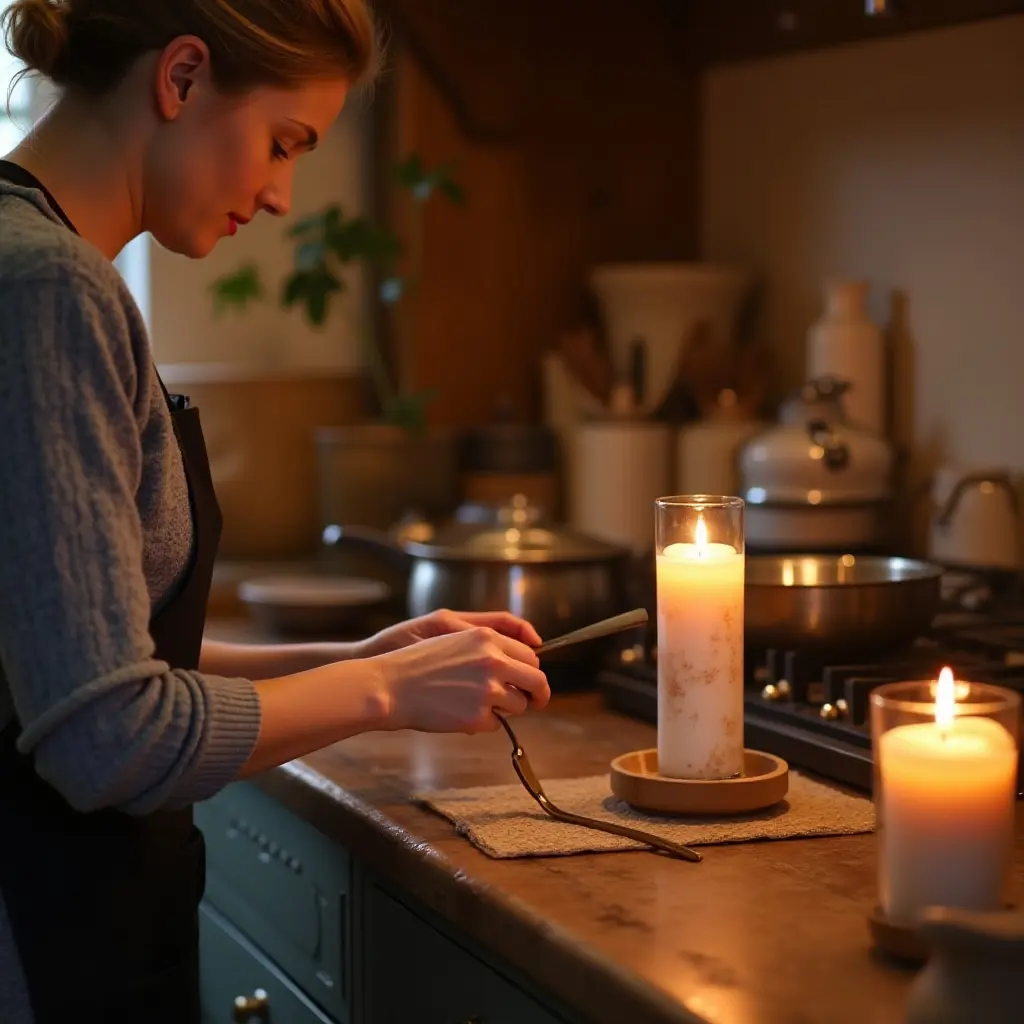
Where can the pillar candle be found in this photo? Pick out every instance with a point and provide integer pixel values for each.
(700, 659)
(947, 810)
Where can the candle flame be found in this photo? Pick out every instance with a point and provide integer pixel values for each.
(700, 536)
(945, 699)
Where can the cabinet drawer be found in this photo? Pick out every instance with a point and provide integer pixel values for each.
(414, 973)
(230, 967)
(283, 885)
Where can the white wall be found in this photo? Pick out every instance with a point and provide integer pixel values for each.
(902, 161)
(182, 323)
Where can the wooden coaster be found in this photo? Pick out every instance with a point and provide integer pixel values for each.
(904, 940)
(898, 939)
(635, 779)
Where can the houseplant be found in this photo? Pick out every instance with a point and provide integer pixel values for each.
(374, 472)
(323, 244)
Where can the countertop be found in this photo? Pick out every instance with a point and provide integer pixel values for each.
(768, 932)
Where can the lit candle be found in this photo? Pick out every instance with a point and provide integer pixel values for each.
(947, 810)
(700, 659)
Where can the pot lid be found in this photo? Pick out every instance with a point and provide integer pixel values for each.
(517, 533)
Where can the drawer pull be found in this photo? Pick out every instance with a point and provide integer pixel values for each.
(252, 1008)
(471, 1020)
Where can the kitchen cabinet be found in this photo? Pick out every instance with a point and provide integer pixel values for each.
(240, 984)
(708, 32)
(285, 888)
(295, 931)
(711, 33)
(414, 972)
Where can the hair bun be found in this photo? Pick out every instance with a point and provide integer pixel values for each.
(37, 34)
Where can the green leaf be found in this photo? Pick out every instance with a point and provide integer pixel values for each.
(410, 411)
(316, 225)
(237, 290)
(423, 183)
(294, 287)
(313, 288)
(319, 297)
(332, 218)
(347, 240)
(409, 173)
(452, 191)
(360, 239)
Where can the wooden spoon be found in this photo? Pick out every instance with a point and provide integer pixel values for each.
(596, 630)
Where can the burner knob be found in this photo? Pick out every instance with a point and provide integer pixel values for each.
(833, 712)
(777, 691)
(632, 655)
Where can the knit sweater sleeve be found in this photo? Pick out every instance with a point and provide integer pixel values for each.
(108, 724)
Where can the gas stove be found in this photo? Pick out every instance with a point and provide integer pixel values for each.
(815, 713)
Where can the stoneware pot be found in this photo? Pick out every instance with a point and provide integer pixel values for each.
(975, 971)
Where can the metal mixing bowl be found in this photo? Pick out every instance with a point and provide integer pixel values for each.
(838, 606)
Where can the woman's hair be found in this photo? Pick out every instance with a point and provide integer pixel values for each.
(89, 45)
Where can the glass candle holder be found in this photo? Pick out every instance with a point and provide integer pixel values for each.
(945, 785)
(700, 574)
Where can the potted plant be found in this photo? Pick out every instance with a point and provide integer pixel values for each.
(374, 472)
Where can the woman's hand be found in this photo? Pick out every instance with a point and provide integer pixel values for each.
(453, 682)
(442, 623)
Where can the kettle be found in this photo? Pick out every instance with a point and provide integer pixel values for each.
(816, 481)
(975, 519)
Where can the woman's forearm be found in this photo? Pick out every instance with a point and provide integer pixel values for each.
(269, 661)
(305, 712)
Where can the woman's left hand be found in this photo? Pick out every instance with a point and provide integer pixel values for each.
(440, 623)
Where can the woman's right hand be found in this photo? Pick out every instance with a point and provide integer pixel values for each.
(454, 683)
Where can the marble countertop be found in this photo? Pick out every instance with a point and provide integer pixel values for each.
(759, 933)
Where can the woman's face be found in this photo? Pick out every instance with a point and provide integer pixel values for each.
(217, 160)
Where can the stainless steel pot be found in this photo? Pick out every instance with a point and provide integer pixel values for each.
(556, 578)
(843, 607)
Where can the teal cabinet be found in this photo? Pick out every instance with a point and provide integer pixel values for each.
(239, 984)
(413, 972)
(284, 886)
(294, 931)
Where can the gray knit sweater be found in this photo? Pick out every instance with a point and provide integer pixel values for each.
(94, 533)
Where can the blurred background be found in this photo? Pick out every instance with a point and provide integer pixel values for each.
(566, 258)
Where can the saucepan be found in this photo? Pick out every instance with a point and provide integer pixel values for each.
(558, 579)
(838, 606)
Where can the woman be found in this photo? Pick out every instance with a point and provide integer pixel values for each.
(183, 118)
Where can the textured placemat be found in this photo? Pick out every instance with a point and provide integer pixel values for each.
(505, 822)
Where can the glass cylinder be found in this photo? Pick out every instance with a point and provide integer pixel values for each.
(945, 785)
(700, 573)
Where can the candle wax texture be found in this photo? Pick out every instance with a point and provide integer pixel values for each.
(947, 815)
(700, 661)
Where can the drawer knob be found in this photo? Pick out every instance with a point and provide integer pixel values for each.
(252, 1008)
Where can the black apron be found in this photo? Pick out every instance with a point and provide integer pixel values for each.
(104, 906)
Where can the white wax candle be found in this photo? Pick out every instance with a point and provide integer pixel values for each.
(700, 660)
(947, 813)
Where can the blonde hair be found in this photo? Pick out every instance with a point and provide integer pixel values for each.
(89, 45)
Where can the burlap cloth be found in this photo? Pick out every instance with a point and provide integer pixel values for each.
(505, 822)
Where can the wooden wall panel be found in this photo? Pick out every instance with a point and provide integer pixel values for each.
(592, 156)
